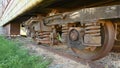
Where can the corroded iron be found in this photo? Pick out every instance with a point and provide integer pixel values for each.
(107, 43)
(89, 38)
(84, 15)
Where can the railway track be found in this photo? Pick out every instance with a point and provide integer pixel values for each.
(57, 50)
(86, 63)
(63, 51)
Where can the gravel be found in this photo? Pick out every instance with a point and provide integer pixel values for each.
(112, 60)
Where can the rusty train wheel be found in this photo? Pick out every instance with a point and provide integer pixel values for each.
(101, 51)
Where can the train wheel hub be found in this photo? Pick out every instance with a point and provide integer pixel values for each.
(74, 35)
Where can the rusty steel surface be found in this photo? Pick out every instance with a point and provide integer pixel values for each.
(101, 51)
(87, 39)
(15, 29)
(12, 29)
(81, 61)
(81, 40)
(84, 15)
(85, 36)
(64, 33)
(74, 35)
(116, 47)
(38, 31)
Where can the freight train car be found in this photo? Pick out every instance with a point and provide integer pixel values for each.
(90, 28)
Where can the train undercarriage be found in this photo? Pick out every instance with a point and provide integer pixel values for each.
(91, 33)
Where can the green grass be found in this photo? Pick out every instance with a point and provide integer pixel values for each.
(12, 56)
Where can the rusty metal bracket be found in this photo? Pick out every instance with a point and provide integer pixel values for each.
(84, 15)
(117, 31)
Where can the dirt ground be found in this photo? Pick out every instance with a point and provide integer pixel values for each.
(112, 60)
